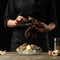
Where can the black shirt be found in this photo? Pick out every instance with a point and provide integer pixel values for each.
(43, 10)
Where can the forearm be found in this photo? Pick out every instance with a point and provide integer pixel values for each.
(11, 23)
(51, 26)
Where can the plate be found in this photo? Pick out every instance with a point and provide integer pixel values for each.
(32, 52)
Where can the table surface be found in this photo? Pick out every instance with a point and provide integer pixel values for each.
(16, 56)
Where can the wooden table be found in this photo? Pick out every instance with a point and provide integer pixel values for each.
(16, 56)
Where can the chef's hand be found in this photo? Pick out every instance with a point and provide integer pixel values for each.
(19, 20)
(15, 23)
(45, 27)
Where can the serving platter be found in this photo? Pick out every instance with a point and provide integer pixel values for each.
(33, 52)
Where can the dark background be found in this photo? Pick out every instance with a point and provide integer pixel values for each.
(5, 34)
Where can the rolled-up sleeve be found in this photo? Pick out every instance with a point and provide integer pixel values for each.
(53, 12)
(9, 12)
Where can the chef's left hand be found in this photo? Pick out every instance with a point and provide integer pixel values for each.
(45, 27)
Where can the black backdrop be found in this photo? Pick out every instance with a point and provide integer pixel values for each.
(5, 34)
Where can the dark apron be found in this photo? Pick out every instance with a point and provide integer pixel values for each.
(18, 39)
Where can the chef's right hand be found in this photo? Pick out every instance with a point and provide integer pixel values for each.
(19, 20)
(16, 23)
